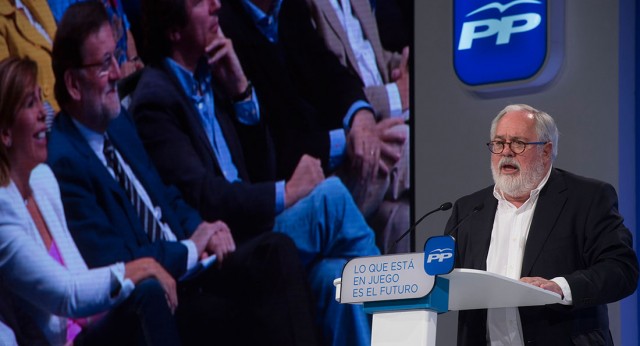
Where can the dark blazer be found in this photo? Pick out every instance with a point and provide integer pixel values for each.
(101, 219)
(171, 130)
(576, 233)
(303, 89)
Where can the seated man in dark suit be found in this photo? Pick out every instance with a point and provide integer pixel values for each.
(311, 103)
(189, 106)
(546, 227)
(118, 209)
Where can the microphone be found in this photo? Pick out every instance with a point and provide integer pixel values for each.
(442, 207)
(476, 209)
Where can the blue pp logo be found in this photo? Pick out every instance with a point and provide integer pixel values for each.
(499, 41)
(438, 255)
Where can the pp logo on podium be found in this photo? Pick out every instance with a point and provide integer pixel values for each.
(438, 255)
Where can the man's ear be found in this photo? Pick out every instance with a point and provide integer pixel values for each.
(548, 150)
(6, 137)
(174, 35)
(72, 84)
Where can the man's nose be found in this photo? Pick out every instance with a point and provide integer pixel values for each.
(214, 6)
(114, 69)
(506, 151)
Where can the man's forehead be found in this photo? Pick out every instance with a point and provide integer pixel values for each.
(99, 43)
(516, 123)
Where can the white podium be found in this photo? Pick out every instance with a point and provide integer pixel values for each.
(413, 320)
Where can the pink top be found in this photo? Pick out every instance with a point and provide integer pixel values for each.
(74, 326)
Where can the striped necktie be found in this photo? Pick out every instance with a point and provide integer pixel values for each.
(147, 217)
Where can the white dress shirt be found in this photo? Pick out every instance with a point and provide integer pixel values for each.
(506, 250)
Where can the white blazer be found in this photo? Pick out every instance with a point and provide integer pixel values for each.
(6, 336)
(46, 288)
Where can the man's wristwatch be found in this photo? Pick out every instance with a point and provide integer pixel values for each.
(243, 95)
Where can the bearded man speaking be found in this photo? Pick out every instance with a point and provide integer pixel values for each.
(546, 227)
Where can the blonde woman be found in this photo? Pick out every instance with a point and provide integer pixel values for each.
(42, 273)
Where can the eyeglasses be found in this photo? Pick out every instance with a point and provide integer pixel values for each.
(103, 67)
(517, 147)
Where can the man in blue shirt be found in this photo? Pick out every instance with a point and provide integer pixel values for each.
(190, 108)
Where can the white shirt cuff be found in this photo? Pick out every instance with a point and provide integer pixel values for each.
(192, 253)
(566, 290)
(120, 286)
(395, 103)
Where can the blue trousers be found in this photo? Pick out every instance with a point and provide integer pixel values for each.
(328, 230)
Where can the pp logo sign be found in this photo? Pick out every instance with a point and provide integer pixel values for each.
(502, 28)
(499, 41)
(438, 255)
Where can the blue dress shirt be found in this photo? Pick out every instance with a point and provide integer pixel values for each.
(198, 88)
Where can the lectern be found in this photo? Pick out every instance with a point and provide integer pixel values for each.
(405, 301)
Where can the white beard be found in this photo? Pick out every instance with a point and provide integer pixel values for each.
(519, 185)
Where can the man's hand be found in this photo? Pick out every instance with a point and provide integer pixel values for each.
(544, 284)
(400, 75)
(307, 175)
(213, 238)
(392, 142)
(225, 65)
(220, 243)
(363, 144)
(371, 146)
(143, 268)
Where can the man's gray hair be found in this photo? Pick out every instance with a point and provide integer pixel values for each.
(546, 128)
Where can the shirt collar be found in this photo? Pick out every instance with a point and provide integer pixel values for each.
(94, 139)
(534, 193)
(257, 14)
(190, 81)
(267, 23)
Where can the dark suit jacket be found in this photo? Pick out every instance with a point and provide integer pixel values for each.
(576, 233)
(172, 133)
(303, 89)
(101, 219)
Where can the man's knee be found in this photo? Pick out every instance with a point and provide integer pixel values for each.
(327, 270)
(148, 291)
(275, 249)
(277, 241)
(332, 188)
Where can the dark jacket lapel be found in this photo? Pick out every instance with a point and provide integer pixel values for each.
(482, 226)
(193, 119)
(549, 207)
(76, 139)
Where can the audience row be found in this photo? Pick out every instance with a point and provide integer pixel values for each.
(224, 201)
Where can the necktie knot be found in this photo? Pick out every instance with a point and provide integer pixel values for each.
(107, 149)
